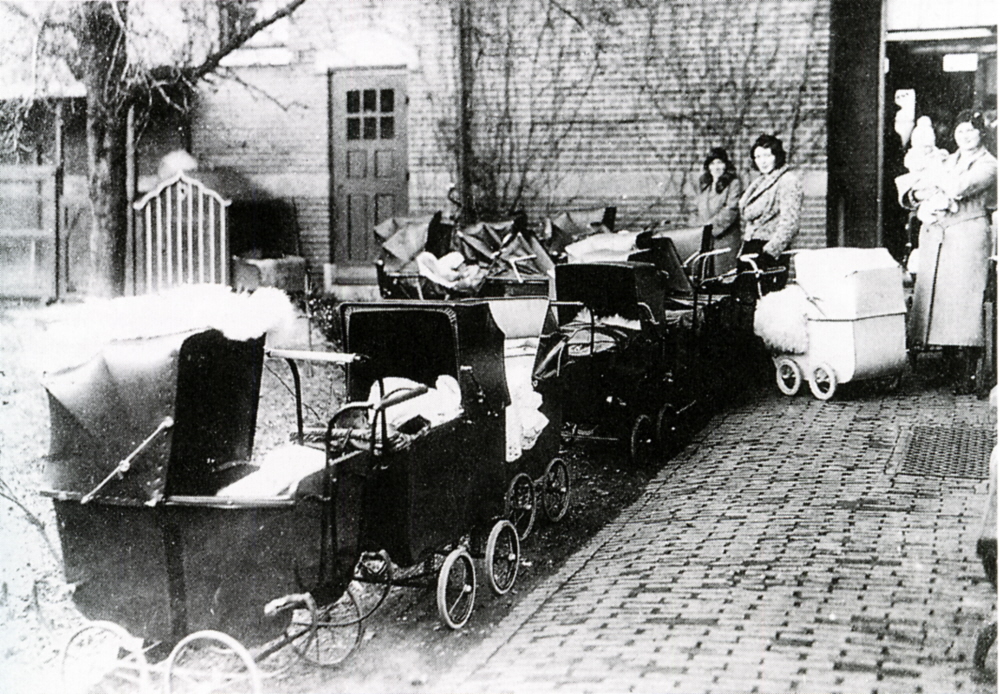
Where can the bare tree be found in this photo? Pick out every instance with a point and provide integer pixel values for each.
(551, 79)
(531, 70)
(126, 56)
(722, 73)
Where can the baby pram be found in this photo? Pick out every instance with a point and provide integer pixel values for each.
(842, 319)
(145, 435)
(442, 478)
(428, 258)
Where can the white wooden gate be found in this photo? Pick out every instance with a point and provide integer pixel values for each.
(181, 235)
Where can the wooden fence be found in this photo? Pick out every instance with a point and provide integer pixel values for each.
(28, 232)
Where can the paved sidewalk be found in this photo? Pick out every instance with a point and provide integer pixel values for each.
(785, 549)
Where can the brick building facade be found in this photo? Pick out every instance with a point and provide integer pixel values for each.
(570, 105)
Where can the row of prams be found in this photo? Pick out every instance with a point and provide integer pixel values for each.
(176, 539)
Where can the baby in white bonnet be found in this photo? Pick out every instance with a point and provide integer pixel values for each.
(923, 161)
(923, 152)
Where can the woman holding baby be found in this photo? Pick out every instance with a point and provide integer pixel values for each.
(954, 200)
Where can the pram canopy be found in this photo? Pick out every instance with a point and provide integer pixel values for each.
(613, 289)
(422, 340)
(190, 397)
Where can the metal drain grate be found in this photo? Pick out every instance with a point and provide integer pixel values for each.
(949, 452)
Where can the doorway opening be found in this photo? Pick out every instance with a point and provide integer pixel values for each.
(935, 76)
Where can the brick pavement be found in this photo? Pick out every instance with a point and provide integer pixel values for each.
(782, 551)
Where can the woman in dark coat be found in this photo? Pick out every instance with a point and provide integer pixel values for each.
(955, 201)
(717, 202)
(771, 206)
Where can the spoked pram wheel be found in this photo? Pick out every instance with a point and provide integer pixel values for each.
(503, 555)
(325, 636)
(555, 490)
(103, 658)
(520, 505)
(822, 381)
(787, 375)
(210, 662)
(456, 588)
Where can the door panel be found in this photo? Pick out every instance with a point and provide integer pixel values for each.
(368, 152)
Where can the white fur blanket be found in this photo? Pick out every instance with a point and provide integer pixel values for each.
(781, 320)
(78, 331)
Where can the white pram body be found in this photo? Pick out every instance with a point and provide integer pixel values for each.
(842, 319)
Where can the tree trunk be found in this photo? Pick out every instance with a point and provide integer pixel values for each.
(103, 58)
(108, 203)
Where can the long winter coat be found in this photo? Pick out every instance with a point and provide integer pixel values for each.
(770, 209)
(721, 210)
(953, 258)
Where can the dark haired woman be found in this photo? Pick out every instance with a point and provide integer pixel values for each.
(955, 201)
(717, 203)
(771, 205)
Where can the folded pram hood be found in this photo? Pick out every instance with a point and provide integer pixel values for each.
(103, 409)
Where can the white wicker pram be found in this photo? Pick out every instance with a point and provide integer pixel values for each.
(843, 318)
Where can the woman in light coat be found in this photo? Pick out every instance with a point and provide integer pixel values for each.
(955, 245)
(717, 201)
(771, 205)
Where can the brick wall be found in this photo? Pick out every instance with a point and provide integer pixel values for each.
(639, 94)
(576, 104)
(271, 123)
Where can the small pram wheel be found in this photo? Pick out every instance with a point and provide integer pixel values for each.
(103, 657)
(456, 588)
(787, 375)
(520, 505)
(210, 661)
(822, 381)
(503, 555)
(642, 441)
(555, 490)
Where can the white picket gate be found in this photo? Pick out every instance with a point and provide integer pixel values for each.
(184, 237)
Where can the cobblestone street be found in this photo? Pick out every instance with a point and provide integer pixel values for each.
(789, 547)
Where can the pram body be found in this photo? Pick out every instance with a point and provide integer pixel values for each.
(654, 349)
(148, 544)
(854, 313)
(458, 475)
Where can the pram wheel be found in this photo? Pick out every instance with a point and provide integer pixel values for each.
(788, 376)
(555, 490)
(642, 441)
(668, 428)
(210, 661)
(336, 630)
(823, 381)
(987, 637)
(503, 555)
(520, 505)
(456, 588)
(103, 657)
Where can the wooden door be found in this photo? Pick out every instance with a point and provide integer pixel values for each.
(368, 158)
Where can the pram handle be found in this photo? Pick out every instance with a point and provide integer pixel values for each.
(305, 355)
(398, 396)
(126, 463)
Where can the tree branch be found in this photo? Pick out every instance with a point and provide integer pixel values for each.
(212, 61)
